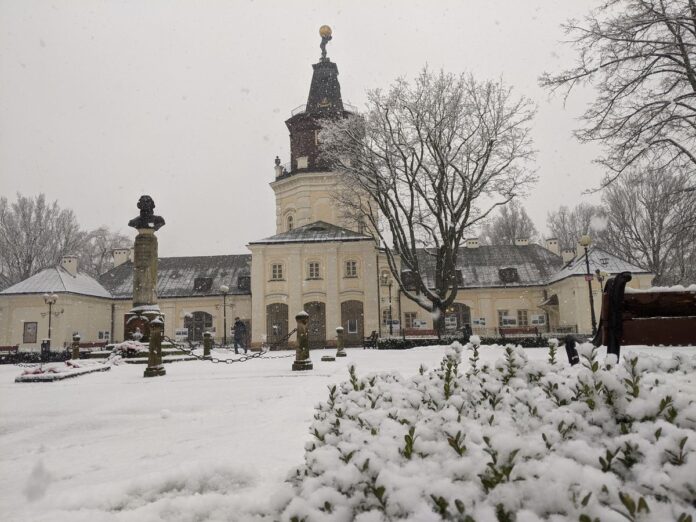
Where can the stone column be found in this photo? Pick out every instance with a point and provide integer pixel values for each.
(207, 343)
(155, 367)
(340, 350)
(75, 346)
(302, 360)
(145, 308)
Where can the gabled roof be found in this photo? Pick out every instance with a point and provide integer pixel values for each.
(481, 267)
(598, 258)
(316, 232)
(58, 280)
(185, 276)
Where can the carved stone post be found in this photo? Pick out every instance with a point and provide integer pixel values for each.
(75, 346)
(207, 343)
(302, 360)
(341, 351)
(154, 360)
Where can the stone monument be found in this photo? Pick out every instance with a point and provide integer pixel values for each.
(145, 313)
(145, 307)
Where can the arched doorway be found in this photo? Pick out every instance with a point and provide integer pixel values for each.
(353, 322)
(198, 323)
(277, 325)
(458, 318)
(317, 324)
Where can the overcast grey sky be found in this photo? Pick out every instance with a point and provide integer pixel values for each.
(101, 101)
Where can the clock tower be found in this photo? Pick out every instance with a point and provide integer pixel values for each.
(303, 188)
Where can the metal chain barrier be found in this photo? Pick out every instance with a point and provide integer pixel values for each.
(256, 355)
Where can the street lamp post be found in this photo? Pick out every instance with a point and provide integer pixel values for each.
(224, 289)
(386, 281)
(585, 242)
(50, 300)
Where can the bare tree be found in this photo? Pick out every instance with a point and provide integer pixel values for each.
(426, 163)
(35, 235)
(567, 225)
(96, 254)
(651, 222)
(512, 222)
(641, 57)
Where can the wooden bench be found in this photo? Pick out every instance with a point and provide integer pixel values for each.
(371, 341)
(659, 317)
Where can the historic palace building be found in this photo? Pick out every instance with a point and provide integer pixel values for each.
(318, 262)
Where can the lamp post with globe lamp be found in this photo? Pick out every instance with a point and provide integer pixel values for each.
(224, 289)
(386, 281)
(50, 300)
(585, 242)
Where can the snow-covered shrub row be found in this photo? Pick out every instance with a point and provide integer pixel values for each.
(519, 440)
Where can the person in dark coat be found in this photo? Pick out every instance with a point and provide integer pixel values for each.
(239, 335)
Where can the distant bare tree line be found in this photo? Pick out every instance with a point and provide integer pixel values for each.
(35, 234)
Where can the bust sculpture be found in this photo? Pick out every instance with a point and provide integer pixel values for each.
(147, 218)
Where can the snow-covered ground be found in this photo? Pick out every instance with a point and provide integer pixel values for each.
(205, 442)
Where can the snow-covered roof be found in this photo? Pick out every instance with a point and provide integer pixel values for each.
(317, 232)
(58, 280)
(484, 266)
(195, 276)
(598, 258)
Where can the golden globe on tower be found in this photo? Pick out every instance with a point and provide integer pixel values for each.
(325, 31)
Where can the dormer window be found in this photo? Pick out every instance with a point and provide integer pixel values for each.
(509, 275)
(244, 283)
(202, 284)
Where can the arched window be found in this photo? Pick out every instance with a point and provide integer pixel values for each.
(290, 222)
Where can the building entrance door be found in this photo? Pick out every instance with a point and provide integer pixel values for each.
(317, 324)
(277, 324)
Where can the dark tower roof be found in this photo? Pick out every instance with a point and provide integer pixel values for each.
(323, 102)
(325, 91)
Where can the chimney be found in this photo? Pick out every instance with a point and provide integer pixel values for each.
(553, 246)
(69, 264)
(568, 254)
(472, 242)
(521, 242)
(121, 255)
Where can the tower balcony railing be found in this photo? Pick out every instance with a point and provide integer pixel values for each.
(302, 108)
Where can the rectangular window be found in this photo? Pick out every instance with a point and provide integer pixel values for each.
(410, 318)
(29, 335)
(352, 326)
(277, 272)
(351, 269)
(522, 318)
(202, 284)
(101, 335)
(506, 320)
(538, 319)
(386, 316)
(313, 270)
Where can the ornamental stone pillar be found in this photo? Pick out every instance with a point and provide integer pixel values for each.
(302, 360)
(75, 346)
(155, 368)
(340, 350)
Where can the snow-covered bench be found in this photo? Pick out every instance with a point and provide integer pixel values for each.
(654, 316)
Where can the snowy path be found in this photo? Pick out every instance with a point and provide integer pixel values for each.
(205, 442)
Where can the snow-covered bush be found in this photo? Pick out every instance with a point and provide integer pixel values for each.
(519, 440)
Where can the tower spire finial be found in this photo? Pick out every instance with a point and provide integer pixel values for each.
(325, 33)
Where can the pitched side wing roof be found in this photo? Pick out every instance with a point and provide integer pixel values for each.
(58, 280)
(177, 276)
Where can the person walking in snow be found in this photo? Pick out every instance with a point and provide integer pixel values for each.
(239, 335)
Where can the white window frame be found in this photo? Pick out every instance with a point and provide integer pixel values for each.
(277, 272)
(351, 269)
(352, 326)
(313, 270)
